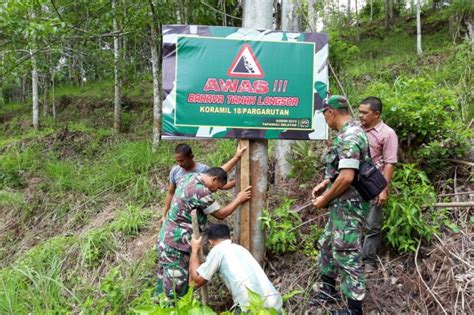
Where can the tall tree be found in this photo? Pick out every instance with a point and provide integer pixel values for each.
(357, 22)
(117, 74)
(155, 66)
(419, 51)
(290, 21)
(34, 72)
(258, 14)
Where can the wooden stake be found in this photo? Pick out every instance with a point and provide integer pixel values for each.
(245, 207)
(196, 235)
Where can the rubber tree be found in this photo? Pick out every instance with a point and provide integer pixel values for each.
(258, 14)
(117, 75)
(419, 51)
(290, 21)
(155, 69)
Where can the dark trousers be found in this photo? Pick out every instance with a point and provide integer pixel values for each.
(373, 237)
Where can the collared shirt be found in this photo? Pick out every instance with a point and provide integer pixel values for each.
(191, 194)
(383, 142)
(177, 172)
(240, 272)
(349, 148)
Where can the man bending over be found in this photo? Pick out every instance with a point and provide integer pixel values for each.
(235, 265)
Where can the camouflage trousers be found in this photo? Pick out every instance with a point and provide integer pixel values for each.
(341, 248)
(173, 272)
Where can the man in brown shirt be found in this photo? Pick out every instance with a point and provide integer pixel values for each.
(383, 144)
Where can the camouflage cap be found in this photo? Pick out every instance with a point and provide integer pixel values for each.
(336, 102)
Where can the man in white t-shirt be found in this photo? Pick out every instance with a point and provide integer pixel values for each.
(236, 267)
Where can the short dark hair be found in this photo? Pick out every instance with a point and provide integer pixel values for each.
(218, 232)
(374, 103)
(184, 150)
(343, 111)
(218, 172)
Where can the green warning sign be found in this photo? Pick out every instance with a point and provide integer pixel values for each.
(222, 82)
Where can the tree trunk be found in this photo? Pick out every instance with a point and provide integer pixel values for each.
(34, 90)
(371, 9)
(357, 22)
(34, 79)
(258, 14)
(290, 21)
(419, 51)
(53, 102)
(178, 11)
(312, 17)
(117, 79)
(155, 67)
(387, 13)
(46, 95)
(2, 100)
(349, 17)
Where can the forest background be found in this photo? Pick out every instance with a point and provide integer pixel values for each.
(83, 173)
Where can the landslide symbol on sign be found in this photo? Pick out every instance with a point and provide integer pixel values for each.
(246, 64)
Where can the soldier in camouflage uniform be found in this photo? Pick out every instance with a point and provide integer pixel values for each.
(194, 192)
(340, 243)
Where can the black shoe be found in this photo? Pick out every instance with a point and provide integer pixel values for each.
(354, 308)
(341, 312)
(327, 292)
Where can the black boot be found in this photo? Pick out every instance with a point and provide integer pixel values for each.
(354, 308)
(327, 292)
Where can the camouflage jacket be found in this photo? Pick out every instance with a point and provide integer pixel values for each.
(349, 148)
(191, 194)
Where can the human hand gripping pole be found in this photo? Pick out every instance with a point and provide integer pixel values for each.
(196, 244)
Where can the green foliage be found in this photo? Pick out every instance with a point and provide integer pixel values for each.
(11, 198)
(96, 245)
(279, 224)
(410, 214)
(224, 151)
(372, 10)
(127, 166)
(14, 162)
(62, 174)
(186, 305)
(34, 284)
(256, 305)
(304, 161)
(423, 114)
(341, 51)
(308, 246)
(147, 305)
(131, 220)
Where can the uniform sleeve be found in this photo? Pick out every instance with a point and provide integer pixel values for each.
(390, 148)
(349, 152)
(211, 266)
(208, 204)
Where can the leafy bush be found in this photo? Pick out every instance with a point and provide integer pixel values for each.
(279, 225)
(341, 51)
(410, 214)
(96, 245)
(304, 161)
(16, 161)
(423, 114)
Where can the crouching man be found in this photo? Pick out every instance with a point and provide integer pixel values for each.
(235, 265)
